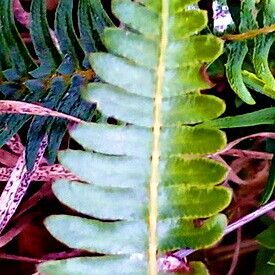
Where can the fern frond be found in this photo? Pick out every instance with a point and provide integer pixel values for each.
(149, 179)
(55, 80)
(255, 50)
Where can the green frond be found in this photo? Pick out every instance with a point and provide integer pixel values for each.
(144, 183)
(56, 79)
(254, 52)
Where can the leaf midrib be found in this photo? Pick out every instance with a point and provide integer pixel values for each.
(154, 179)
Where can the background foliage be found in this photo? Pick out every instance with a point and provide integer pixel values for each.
(50, 68)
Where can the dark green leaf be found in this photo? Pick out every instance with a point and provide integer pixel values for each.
(21, 61)
(92, 19)
(40, 125)
(68, 41)
(267, 237)
(45, 49)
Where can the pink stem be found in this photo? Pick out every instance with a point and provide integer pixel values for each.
(63, 255)
(53, 172)
(230, 145)
(237, 250)
(43, 173)
(18, 107)
(17, 185)
(239, 223)
(247, 154)
(250, 217)
(232, 175)
(19, 258)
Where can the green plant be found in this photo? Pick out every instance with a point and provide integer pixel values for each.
(146, 190)
(62, 71)
(266, 255)
(53, 81)
(248, 65)
(148, 179)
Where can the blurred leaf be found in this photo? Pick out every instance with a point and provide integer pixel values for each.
(267, 237)
(262, 266)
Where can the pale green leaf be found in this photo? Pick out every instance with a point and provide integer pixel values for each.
(189, 109)
(137, 17)
(96, 266)
(120, 237)
(106, 203)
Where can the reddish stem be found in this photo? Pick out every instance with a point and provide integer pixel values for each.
(64, 255)
(236, 251)
(19, 258)
(18, 107)
(232, 144)
(239, 223)
(43, 173)
(247, 154)
(250, 217)
(17, 185)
